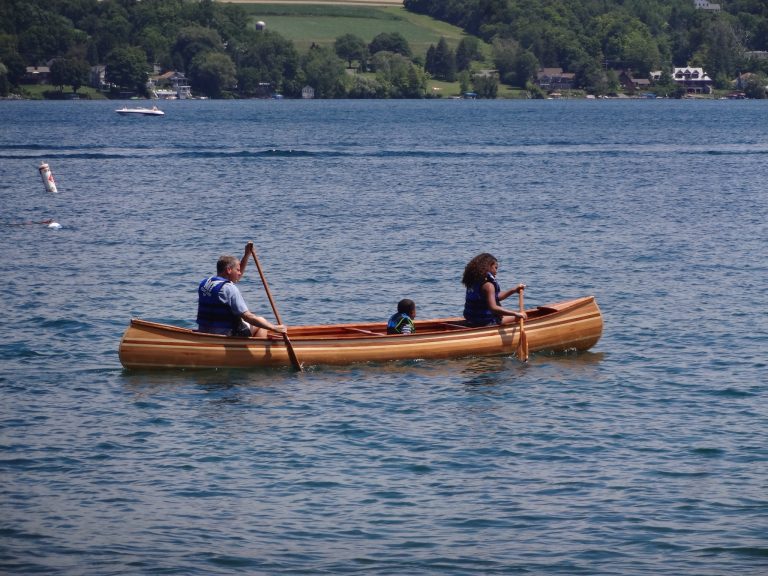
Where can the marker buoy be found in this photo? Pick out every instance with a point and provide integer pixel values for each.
(47, 176)
(54, 226)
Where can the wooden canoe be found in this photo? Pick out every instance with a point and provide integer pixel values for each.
(572, 325)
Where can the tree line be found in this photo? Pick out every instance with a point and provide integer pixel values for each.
(214, 44)
(591, 37)
(224, 55)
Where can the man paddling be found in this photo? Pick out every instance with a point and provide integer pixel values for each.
(221, 308)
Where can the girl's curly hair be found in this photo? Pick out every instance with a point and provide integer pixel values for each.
(477, 268)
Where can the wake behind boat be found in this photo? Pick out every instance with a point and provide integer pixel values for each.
(572, 325)
(154, 111)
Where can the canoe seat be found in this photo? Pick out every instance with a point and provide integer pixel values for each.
(540, 311)
(451, 325)
(361, 331)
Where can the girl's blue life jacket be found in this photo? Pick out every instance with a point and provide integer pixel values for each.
(476, 309)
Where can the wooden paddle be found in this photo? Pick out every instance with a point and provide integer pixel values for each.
(523, 346)
(288, 345)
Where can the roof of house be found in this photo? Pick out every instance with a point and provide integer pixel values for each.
(554, 72)
(691, 73)
(171, 75)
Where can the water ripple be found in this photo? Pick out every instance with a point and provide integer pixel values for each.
(644, 456)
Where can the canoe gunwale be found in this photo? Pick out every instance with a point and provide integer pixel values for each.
(354, 330)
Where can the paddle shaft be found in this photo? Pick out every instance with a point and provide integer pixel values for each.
(288, 345)
(523, 353)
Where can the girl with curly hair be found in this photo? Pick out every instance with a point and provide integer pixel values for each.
(482, 306)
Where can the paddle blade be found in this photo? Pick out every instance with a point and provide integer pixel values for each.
(522, 347)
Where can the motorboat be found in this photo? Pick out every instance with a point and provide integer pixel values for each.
(154, 111)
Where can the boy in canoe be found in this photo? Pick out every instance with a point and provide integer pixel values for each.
(221, 308)
(401, 322)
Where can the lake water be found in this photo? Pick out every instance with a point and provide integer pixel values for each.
(646, 455)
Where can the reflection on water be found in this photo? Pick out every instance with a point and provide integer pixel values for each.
(489, 371)
(571, 360)
(150, 382)
(471, 371)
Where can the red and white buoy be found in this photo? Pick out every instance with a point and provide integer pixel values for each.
(47, 176)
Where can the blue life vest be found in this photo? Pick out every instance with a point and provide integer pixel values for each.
(400, 323)
(476, 309)
(212, 313)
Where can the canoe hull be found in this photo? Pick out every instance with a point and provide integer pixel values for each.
(572, 325)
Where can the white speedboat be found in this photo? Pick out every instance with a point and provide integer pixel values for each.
(154, 111)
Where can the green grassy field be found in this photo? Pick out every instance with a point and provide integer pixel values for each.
(36, 92)
(305, 24)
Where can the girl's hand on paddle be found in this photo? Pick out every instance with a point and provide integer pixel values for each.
(520, 288)
(281, 328)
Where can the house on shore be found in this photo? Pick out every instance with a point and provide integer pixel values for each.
(170, 86)
(631, 83)
(37, 75)
(694, 80)
(97, 78)
(554, 79)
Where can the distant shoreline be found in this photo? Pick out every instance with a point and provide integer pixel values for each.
(330, 2)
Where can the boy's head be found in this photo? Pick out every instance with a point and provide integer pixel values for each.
(406, 306)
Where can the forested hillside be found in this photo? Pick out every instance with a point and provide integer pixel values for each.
(217, 45)
(590, 36)
(224, 54)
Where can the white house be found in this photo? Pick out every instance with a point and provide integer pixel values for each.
(706, 5)
(695, 80)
